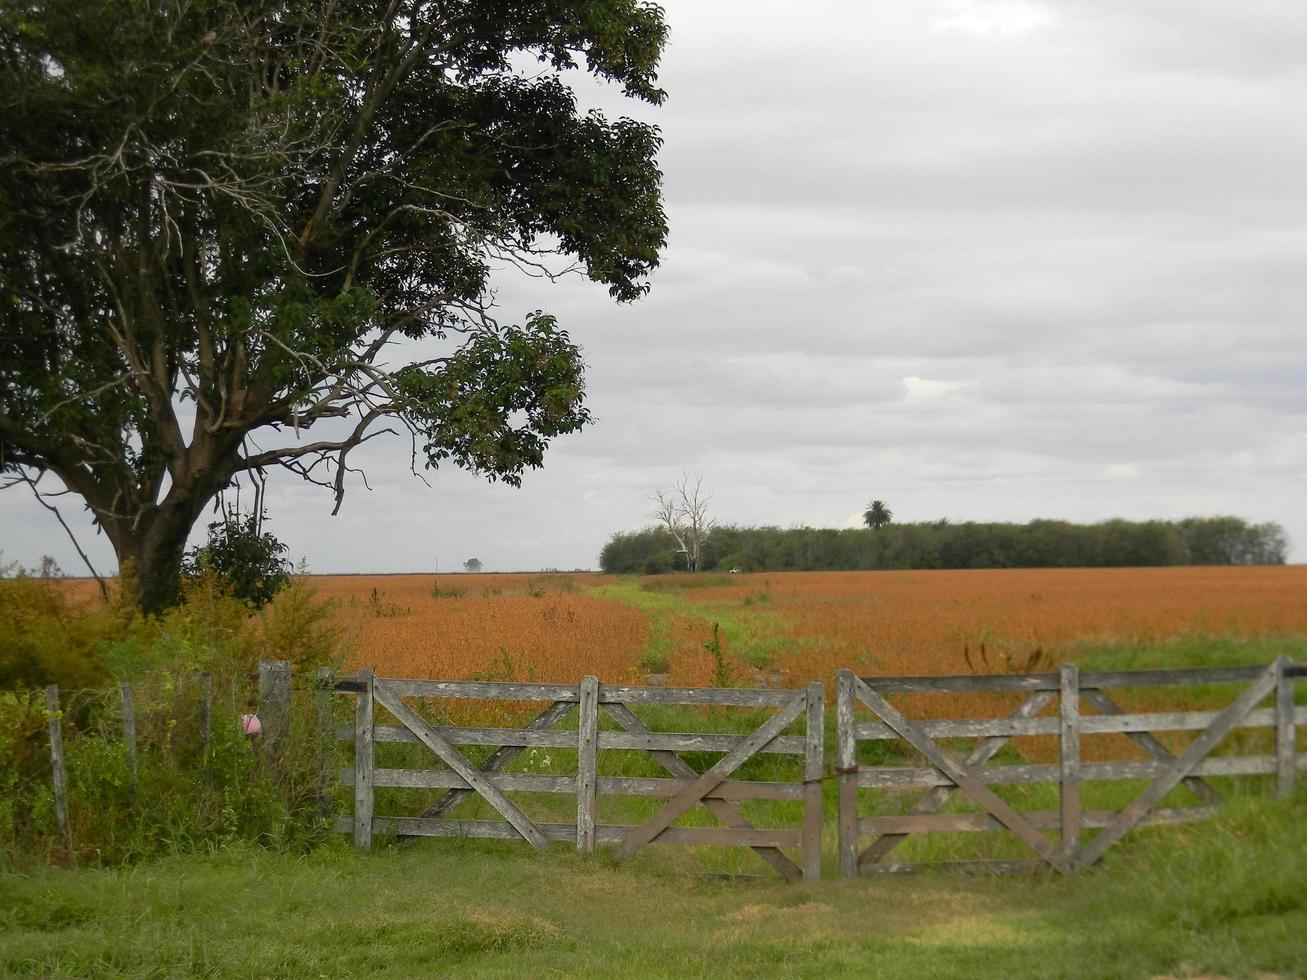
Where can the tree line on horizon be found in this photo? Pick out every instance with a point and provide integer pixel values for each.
(1219, 540)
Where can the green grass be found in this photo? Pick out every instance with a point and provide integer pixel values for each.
(1223, 897)
(1191, 651)
(753, 634)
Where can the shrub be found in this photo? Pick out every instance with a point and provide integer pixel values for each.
(251, 560)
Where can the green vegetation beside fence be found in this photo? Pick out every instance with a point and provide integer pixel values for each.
(1223, 897)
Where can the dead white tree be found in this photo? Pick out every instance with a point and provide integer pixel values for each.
(682, 511)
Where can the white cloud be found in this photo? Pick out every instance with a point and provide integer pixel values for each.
(983, 260)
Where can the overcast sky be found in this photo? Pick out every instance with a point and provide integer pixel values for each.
(982, 259)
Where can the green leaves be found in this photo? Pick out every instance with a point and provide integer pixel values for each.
(493, 406)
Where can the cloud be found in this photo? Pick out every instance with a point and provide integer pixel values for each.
(984, 259)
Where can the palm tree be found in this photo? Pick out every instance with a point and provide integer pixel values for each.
(877, 514)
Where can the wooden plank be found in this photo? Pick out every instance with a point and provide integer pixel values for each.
(967, 782)
(813, 771)
(125, 695)
(962, 867)
(846, 763)
(1069, 758)
(695, 792)
(696, 742)
(1177, 770)
(1089, 725)
(206, 708)
(1050, 682)
(1169, 721)
(730, 697)
(566, 832)
(364, 722)
(518, 738)
(58, 771)
(714, 801)
(963, 728)
(587, 765)
(633, 741)
(1181, 676)
(933, 800)
(731, 790)
(1104, 705)
(500, 758)
(456, 761)
(274, 703)
(481, 690)
(322, 681)
(912, 778)
(1285, 733)
(922, 684)
(952, 823)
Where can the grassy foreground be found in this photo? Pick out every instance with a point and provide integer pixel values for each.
(1228, 897)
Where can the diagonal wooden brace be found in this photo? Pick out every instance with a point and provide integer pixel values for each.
(459, 763)
(1150, 744)
(723, 810)
(1220, 727)
(984, 750)
(703, 785)
(965, 781)
(502, 756)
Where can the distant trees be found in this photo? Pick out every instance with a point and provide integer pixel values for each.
(682, 513)
(472, 565)
(1037, 544)
(877, 515)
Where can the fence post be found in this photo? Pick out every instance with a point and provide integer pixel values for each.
(129, 731)
(57, 760)
(206, 708)
(813, 770)
(846, 768)
(274, 702)
(363, 722)
(1069, 712)
(587, 764)
(323, 679)
(1285, 748)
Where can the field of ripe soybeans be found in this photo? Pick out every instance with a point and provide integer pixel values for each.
(788, 628)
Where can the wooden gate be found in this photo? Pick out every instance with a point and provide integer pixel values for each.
(947, 774)
(718, 788)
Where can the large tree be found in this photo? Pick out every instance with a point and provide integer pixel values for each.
(224, 223)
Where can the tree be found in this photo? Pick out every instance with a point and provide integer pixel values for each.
(682, 512)
(472, 565)
(877, 515)
(226, 223)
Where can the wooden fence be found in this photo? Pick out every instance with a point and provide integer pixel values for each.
(947, 774)
(273, 687)
(718, 788)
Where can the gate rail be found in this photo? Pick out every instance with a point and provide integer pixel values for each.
(948, 774)
(685, 786)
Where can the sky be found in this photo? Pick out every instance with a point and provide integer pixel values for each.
(981, 259)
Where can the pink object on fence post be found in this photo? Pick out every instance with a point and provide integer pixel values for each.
(251, 725)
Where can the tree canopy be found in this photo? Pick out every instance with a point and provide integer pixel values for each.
(224, 224)
(877, 514)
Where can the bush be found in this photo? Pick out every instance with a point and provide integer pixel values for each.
(249, 559)
(186, 794)
(46, 640)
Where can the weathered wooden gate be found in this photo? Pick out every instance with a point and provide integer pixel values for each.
(947, 774)
(717, 788)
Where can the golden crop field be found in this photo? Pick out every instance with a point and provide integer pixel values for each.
(804, 625)
(546, 628)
